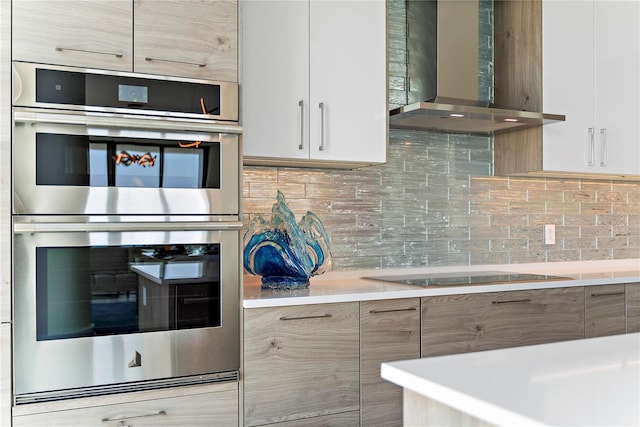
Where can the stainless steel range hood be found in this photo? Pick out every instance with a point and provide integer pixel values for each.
(450, 72)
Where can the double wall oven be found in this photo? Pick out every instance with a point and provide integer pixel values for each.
(126, 231)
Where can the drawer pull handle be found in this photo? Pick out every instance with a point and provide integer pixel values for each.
(70, 49)
(512, 301)
(606, 294)
(321, 316)
(197, 64)
(154, 414)
(392, 310)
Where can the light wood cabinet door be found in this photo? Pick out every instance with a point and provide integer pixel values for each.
(633, 307)
(604, 310)
(300, 362)
(206, 405)
(81, 33)
(197, 39)
(389, 330)
(471, 322)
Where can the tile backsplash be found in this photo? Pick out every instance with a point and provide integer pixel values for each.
(435, 202)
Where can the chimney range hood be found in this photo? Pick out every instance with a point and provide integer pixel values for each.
(449, 81)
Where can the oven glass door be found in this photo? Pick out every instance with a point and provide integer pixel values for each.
(102, 170)
(109, 307)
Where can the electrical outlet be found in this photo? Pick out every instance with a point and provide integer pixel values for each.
(549, 234)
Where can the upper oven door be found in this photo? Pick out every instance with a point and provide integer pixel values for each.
(83, 163)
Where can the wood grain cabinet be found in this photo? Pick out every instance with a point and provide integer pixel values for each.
(301, 362)
(201, 405)
(314, 82)
(389, 330)
(194, 39)
(471, 322)
(632, 306)
(604, 308)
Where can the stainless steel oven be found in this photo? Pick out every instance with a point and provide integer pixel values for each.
(126, 206)
(92, 143)
(107, 306)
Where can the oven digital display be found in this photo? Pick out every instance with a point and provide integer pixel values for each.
(130, 93)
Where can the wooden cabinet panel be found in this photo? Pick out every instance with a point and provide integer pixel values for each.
(343, 419)
(471, 322)
(197, 39)
(633, 307)
(389, 330)
(300, 362)
(217, 405)
(81, 33)
(604, 310)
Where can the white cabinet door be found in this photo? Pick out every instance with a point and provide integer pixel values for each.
(81, 33)
(568, 85)
(617, 99)
(186, 39)
(314, 82)
(275, 78)
(591, 74)
(349, 77)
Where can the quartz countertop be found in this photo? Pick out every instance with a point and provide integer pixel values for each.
(348, 285)
(588, 382)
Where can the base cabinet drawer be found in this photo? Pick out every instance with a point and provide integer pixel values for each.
(604, 310)
(389, 331)
(484, 321)
(211, 408)
(300, 362)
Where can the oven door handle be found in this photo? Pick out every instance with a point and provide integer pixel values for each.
(119, 121)
(56, 227)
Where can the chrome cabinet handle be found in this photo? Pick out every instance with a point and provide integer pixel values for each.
(592, 149)
(512, 301)
(97, 52)
(321, 106)
(392, 310)
(121, 419)
(173, 61)
(301, 105)
(603, 147)
(321, 316)
(606, 294)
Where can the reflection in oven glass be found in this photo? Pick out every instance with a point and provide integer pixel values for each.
(80, 161)
(91, 291)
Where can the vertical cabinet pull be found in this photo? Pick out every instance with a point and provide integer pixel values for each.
(591, 152)
(603, 147)
(301, 105)
(321, 106)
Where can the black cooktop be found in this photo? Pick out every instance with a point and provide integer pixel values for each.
(472, 278)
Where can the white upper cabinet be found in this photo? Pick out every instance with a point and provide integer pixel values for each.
(314, 82)
(81, 33)
(193, 39)
(591, 54)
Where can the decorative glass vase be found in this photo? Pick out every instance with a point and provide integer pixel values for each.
(284, 253)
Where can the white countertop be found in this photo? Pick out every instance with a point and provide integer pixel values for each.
(588, 382)
(347, 286)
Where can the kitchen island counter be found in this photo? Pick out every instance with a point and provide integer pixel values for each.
(590, 382)
(348, 286)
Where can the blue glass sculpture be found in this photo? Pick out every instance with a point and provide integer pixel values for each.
(284, 253)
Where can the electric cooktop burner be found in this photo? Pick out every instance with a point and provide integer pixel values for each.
(473, 278)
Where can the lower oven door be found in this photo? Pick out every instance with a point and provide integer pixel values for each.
(123, 303)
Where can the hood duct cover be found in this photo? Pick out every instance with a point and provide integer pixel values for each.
(450, 72)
